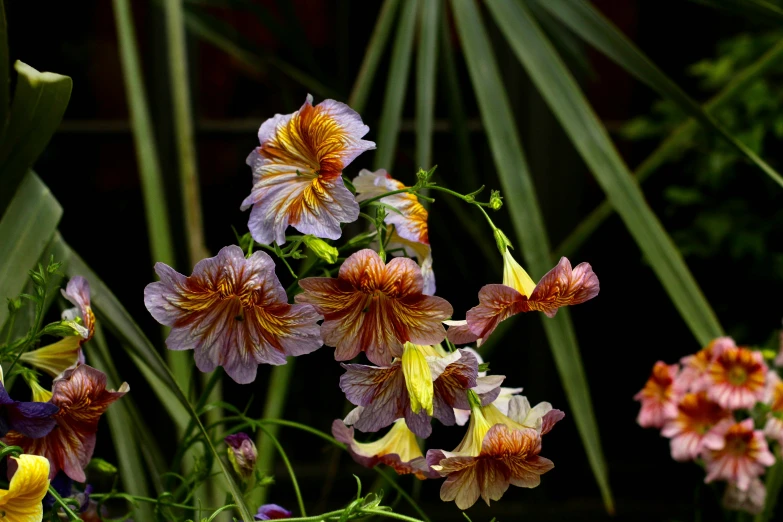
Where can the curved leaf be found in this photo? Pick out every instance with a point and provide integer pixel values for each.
(426, 57)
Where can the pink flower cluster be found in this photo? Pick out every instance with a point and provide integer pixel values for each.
(708, 406)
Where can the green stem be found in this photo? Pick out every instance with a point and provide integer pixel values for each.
(381, 196)
(288, 466)
(104, 496)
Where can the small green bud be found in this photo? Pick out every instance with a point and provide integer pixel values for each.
(769, 354)
(14, 305)
(245, 241)
(423, 176)
(495, 200)
(37, 278)
(502, 240)
(321, 248)
(102, 466)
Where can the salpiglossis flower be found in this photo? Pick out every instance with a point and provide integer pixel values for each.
(751, 500)
(743, 456)
(737, 378)
(397, 449)
(697, 425)
(496, 452)
(242, 454)
(375, 307)
(561, 286)
(272, 512)
(693, 376)
(233, 312)
(773, 428)
(21, 502)
(382, 393)
(82, 398)
(659, 396)
(33, 419)
(297, 172)
(410, 231)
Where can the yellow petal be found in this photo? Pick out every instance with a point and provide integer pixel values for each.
(56, 357)
(399, 440)
(515, 276)
(22, 501)
(40, 394)
(418, 378)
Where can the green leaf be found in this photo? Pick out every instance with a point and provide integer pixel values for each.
(39, 102)
(758, 10)
(668, 149)
(25, 231)
(375, 48)
(426, 65)
(396, 86)
(591, 140)
(588, 23)
(528, 223)
(5, 63)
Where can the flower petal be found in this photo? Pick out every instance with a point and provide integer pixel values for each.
(22, 501)
(563, 286)
(496, 303)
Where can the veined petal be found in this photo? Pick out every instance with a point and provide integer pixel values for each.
(418, 379)
(77, 291)
(22, 501)
(496, 303)
(563, 286)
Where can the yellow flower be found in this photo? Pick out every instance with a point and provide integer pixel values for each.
(22, 501)
(515, 276)
(418, 378)
(56, 357)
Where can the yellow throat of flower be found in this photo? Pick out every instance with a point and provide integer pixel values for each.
(515, 276)
(418, 378)
(477, 430)
(40, 394)
(399, 440)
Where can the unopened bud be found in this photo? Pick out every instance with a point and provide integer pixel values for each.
(102, 466)
(322, 249)
(495, 200)
(502, 240)
(242, 454)
(14, 305)
(423, 176)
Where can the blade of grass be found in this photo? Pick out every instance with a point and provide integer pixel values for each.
(673, 144)
(528, 223)
(375, 48)
(587, 22)
(5, 64)
(426, 65)
(116, 318)
(25, 231)
(591, 140)
(40, 99)
(396, 87)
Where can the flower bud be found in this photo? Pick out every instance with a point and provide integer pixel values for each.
(14, 305)
(272, 512)
(502, 241)
(242, 454)
(322, 249)
(495, 200)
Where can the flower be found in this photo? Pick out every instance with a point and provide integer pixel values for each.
(736, 378)
(694, 367)
(774, 398)
(698, 424)
(659, 396)
(561, 286)
(82, 398)
(242, 454)
(21, 502)
(397, 449)
(297, 172)
(77, 291)
(743, 456)
(501, 402)
(496, 452)
(233, 312)
(272, 512)
(383, 396)
(33, 419)
(375, 307)
(410, 231)
(751, 500)
(56, 357)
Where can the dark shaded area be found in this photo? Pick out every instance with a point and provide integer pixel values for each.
(90, 166)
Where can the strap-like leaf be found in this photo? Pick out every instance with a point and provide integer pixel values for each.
(757, 10)
(591, 140)
(5, 64)
(528, 223)
(396, 87)
(588, 23)
(426, 58)
(39, 102)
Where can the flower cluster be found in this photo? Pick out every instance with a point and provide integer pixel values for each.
(722, 407)
(232, 311)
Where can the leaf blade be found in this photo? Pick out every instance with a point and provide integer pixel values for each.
(426, 58)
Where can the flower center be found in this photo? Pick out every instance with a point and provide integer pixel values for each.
(737, 446)
(737, 375)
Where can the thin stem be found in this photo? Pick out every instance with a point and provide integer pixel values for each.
(280, 255)
(104, 496)
(381, 196)
(287, 463)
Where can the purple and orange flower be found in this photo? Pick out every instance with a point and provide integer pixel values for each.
(297, 172)
(410, 231)
(233, 312)
(737, 378)
(561, 286)
(32, 419)
(397, 449)
(699, 424)
(82, 397)
(375, 307)
(693, 376)
(743, 456)
(659, 397)
(497, 451)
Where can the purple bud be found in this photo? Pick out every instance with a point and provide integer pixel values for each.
(242, 454)
(272, 512)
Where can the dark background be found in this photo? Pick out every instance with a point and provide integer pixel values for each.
(91, 168)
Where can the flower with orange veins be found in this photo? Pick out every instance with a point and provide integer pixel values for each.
(496, 452)
(561, 286)
(233, 312)
(774, 426)
(21, 502)
(659, 396)
(375, 307)
(397, 449)
(743, 456)
(82, 397)
(737, 378)
(297, 172)
(694, 367)
(697, 425)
